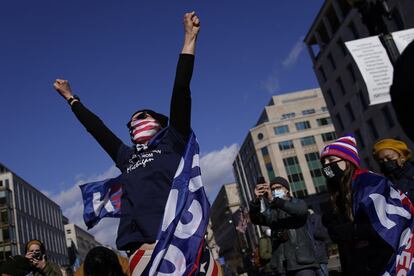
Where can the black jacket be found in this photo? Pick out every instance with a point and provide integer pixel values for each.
(403, 179)
(291, 243)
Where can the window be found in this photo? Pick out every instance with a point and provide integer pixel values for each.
(295, 176)
(341, 45)
(322, 74)
(286, 145)
(364, 104)
(288, 115)
(324, 121)
(331, 97)
(329, 136)
(350, 112)
(315, 169)
(341, 86)
(324, 109)
(302, 125)
(331, 61)
(351, 73)
(360, 140)
(308, 111)
(308, 140)
(339, 121)
(281, 129)
(353, 30)
(387, 116)
(372, 129)
(260, 136)
(268, 163)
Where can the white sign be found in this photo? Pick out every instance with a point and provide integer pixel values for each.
(375, 67)
(403, 38)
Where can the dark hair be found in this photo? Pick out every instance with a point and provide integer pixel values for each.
(101, 261)
(341, 193)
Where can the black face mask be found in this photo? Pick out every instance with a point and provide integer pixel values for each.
(389, 167)
(332, 171)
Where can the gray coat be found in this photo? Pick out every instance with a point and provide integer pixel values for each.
(291, 243)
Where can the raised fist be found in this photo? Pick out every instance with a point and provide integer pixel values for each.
(191, 23)
(63, 87)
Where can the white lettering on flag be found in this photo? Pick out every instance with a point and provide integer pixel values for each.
(98, 204)
(382, 208)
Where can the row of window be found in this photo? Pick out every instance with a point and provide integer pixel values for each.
(301, 125)
(306, 141)
(309, 111)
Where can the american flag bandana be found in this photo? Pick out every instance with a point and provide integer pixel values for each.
(143, 130)
(392, 216)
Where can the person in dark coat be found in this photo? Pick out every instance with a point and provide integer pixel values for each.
(292, 248)
(320, 237)
(402, 88)
(394, 157)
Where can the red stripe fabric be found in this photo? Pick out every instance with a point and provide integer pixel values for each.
(135, 260)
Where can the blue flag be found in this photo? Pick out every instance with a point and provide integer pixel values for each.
(181, 236)
(101, 199)
(392, 216)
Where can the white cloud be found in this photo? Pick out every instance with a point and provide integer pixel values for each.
(294, 53)
(271, 84)
(216, 169)
(72, 207)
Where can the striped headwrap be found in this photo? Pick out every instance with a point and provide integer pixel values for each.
(345, 148)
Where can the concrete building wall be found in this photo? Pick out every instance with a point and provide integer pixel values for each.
(82, 240)
(30, 215)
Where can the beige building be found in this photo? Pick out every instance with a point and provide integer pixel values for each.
(286, 141)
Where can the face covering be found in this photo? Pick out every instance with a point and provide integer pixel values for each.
(332, 171)
(389, 167)
(143, 130)
(278, 193)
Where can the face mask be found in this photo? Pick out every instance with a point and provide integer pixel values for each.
(278, 194)
(389, 167)
(142, 131)
(332, 171)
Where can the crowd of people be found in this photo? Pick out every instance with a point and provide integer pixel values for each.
(296, 238)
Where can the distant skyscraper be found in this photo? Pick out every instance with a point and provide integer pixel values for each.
(340, 80)
(25, 214)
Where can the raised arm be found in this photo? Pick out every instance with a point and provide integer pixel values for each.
(103, 135)
(180, 112)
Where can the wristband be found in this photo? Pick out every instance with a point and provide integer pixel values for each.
(73, 99)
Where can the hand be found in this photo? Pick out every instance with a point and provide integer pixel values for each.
(63, 87)
(191, 24)
(263, 190)
(36, 263)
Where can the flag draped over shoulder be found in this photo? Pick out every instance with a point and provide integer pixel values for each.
(392, 217)
(181, 248)
(181, 236)
(101, 199)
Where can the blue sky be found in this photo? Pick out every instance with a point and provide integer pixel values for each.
(120, 56)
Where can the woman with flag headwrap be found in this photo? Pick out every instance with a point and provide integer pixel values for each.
(148, 167)
(372, 221)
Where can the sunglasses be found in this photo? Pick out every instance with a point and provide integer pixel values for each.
(141, 116)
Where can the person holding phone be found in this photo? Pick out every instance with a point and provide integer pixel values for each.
(292, 249)
(36, 253)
